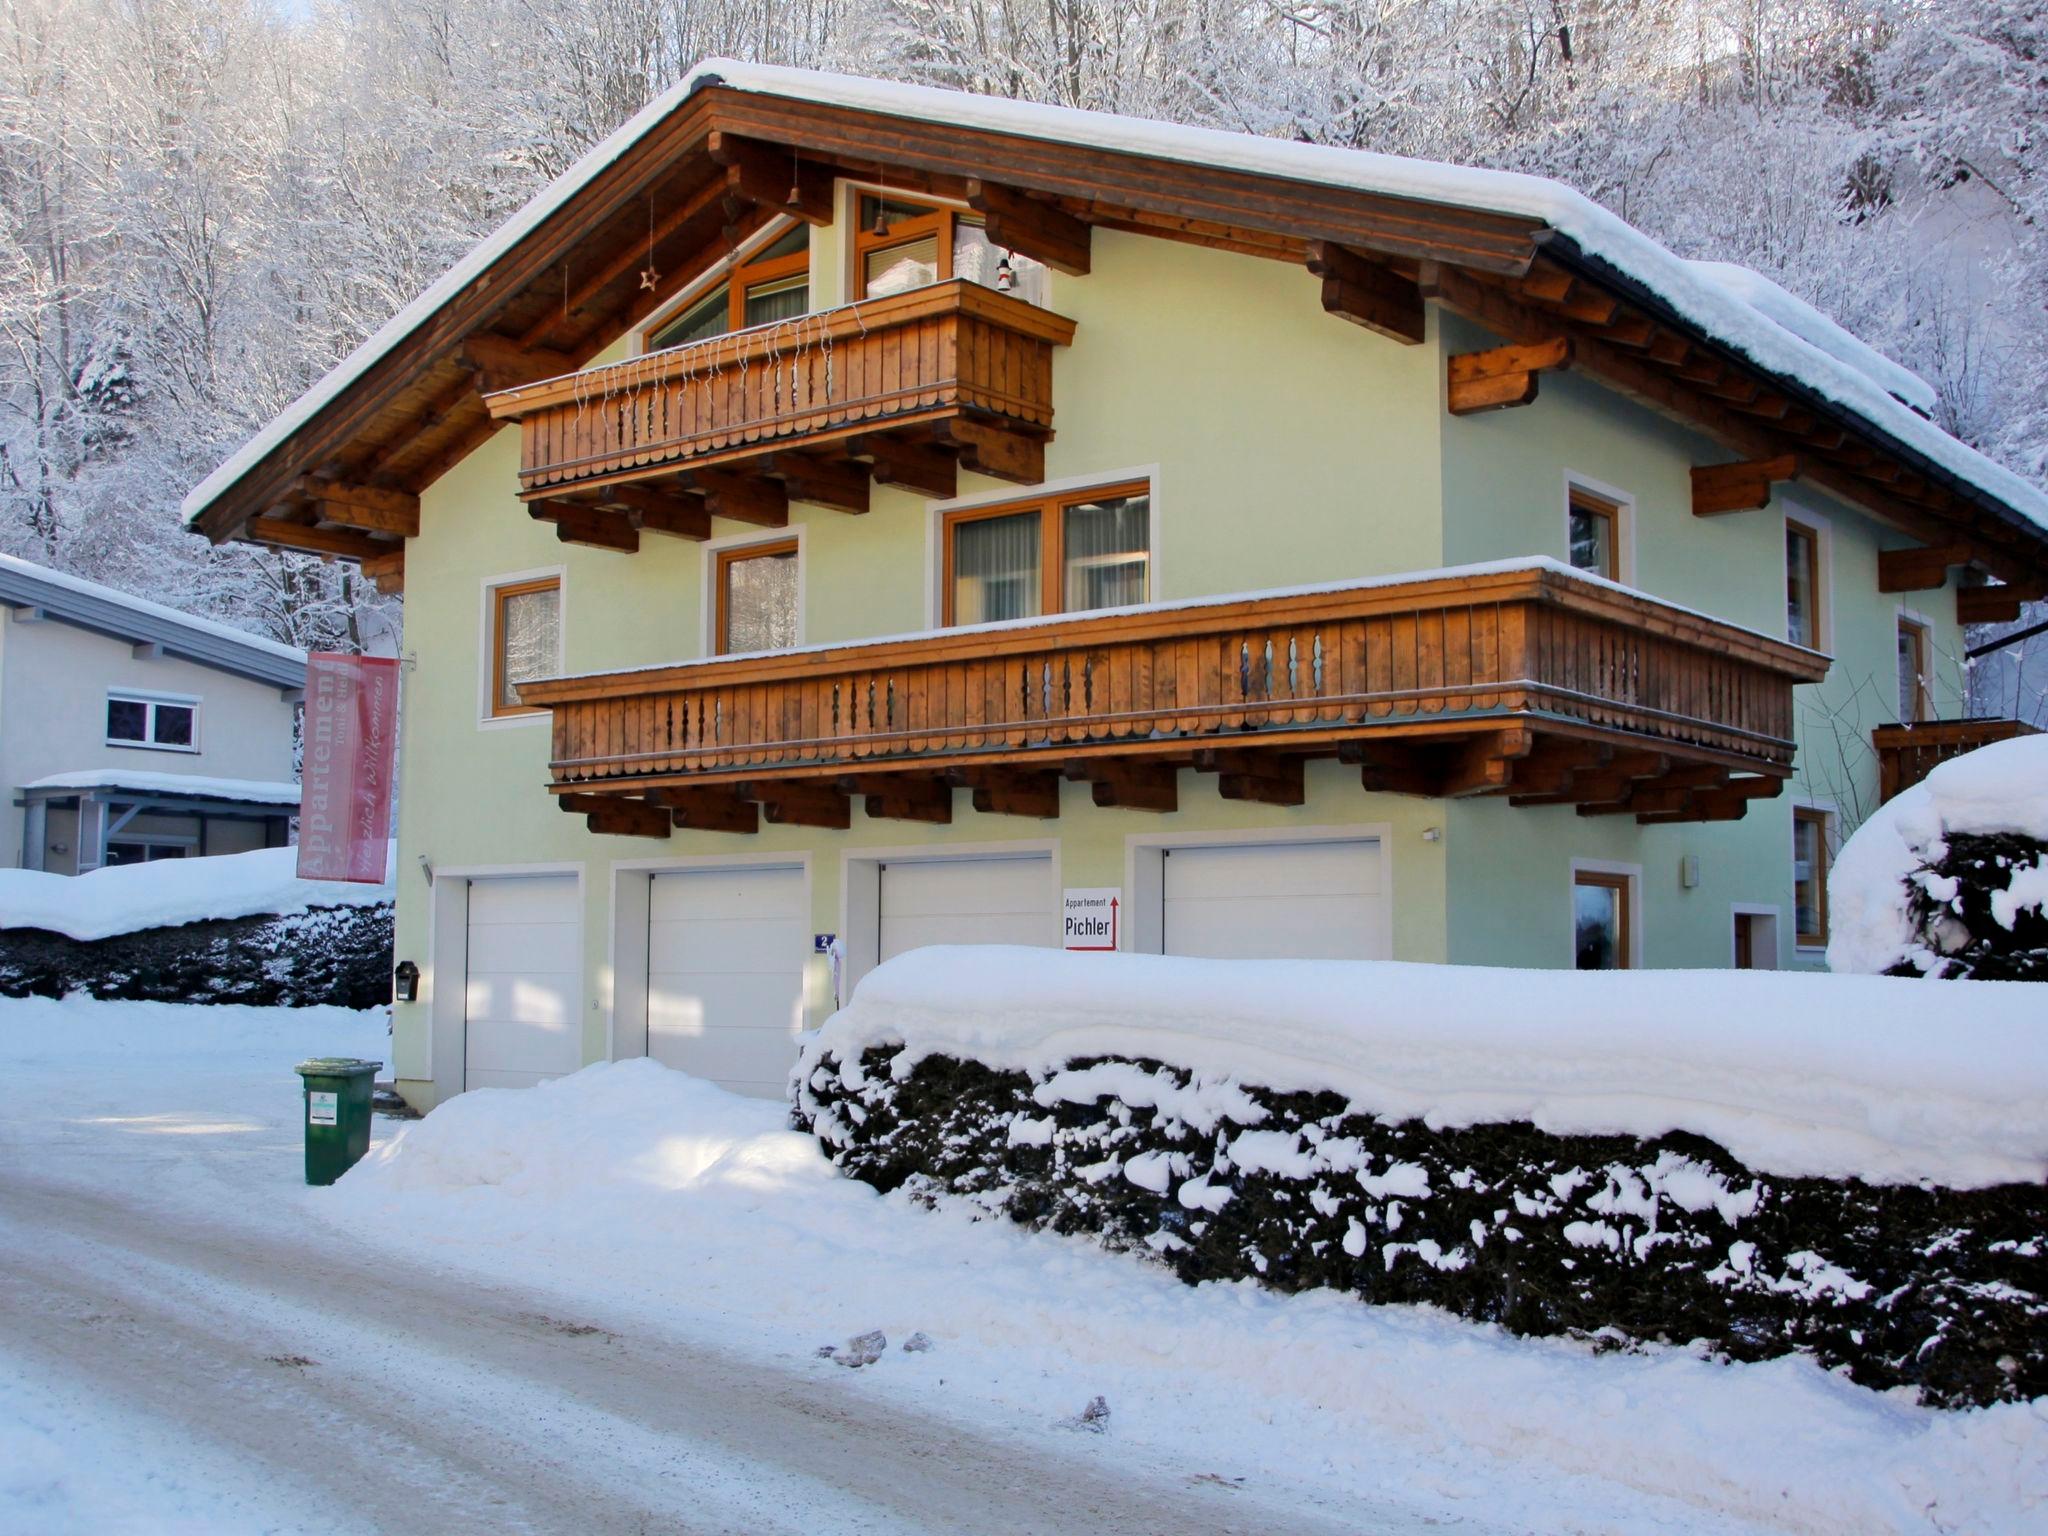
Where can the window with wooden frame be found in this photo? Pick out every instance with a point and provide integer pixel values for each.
(754, 592)
(1601, 919)
(771, 283)
(901, 243)
(1803, 595)
(1067, 553)
(1810, 876)
(1594, 533)
(1916, 693)
(525, 640)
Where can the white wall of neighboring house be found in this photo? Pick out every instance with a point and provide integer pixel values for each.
(54, 682)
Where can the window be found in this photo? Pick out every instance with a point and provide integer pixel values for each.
(900, 244)
(161, 724)
(127, 851)
(1063, 554)
(1915, 690)
(773, 283)
(1810, 875)
(526, 639)
(1594, 530)
(1802, 585)
(1600, 920)
(757, 597)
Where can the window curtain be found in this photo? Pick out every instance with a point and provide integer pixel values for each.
(532, 639)
(996, 569)
(900, 268)
(1107, 547)
(784, 299)
(760, 603)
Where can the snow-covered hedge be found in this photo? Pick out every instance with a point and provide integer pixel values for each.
(1764, 1162)
(1950, 878)
(236, 928)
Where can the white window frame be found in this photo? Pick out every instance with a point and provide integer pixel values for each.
(487, 642)
(1831, 837)
(1634, 874)
(707, 627)
(709, 278)
(1624, 505)
(151, 700)
(1803, 513)
(936, 513)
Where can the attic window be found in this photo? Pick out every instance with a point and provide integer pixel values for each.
(770, 283)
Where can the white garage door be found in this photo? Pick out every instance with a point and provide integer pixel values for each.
(968, 901)
(1276, 901)
(525, 975)
(725, 958)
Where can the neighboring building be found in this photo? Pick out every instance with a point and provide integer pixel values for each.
(724, 490)
(131, 732)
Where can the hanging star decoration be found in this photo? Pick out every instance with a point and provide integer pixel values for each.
(649, 276)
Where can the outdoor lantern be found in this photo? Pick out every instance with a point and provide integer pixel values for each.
(407, 982)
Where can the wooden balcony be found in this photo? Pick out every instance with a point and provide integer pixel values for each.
(906, 388)
(1906, 754)
(1528, 681)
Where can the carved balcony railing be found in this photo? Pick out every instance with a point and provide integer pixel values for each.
(955, 368)
(1527, 680)
(1906, 754)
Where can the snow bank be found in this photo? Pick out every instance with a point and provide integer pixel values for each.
(131, 897)
(1999, 788)
(1797, 1074)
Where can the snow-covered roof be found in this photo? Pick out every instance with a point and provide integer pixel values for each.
(1780, 335)
(110, 611)
(187, 785)
(168, 893)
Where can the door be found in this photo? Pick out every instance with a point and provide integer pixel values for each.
(725, 979)
(1275, 901)
(1003, 900)
(524, 975)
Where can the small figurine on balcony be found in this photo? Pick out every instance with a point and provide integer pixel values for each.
(1006, 279)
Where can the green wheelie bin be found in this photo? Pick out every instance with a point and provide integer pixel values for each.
(337, 1114)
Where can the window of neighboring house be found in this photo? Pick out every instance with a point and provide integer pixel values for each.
(165, 725)
(1595, 534)
(1069, 553)
(1915, 685)
(525, 640)
(756, 596)
(1600, 920)
(1802, 585)
(901, 244)
(130, 851)
(1810, 875)
(772, 283)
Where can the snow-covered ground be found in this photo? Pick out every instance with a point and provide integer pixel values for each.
(704, 1253)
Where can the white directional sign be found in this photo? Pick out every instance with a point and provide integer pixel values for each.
(1091, 916)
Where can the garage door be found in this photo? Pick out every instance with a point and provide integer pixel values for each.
(1275, 901)
(525, 975)
(968, 901)
(725, 957)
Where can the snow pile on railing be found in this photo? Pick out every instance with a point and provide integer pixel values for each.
(170, 892)
(1798, 1074)
(2001, 788)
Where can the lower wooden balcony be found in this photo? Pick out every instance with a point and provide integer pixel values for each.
(1526, 680)
(1907, 753)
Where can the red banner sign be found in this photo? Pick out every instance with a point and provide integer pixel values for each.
(351, 758)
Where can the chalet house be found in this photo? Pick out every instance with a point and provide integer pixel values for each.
(876, 516)
(131, 732)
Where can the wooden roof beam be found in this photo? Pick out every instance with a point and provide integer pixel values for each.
(1030, 227)
(340, 543)
(387, 572)
(769, 176)
(1918, 570)
(1504, 376)
(365, 508)
(1997, 605)
(1368, 293)
(1740, 487)
(499, 362)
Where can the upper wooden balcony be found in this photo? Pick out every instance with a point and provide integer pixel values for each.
(905, 388)
(1907, 753)
(1526, 680)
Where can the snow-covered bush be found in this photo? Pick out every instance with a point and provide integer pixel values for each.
(1950, 878)
(1443, 1135)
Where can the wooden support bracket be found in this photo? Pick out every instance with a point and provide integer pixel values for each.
(771, 177)
(837, 483)
(579, 522)
(387, 572)
(1504, 376)
(903, 796)
(1367, 293)
(1127, 785)
(743, 498)
(1996, 605)
(499, 362)
(652, 511)
(343, 543)
(1012, 791)
(708, 809)
(1918, 570)
(995, 450)
(618, 815)
(802, 803)
(911, 466)
(365, 508)
(1031, 228)
(1743, 487)
(1485, 763)
(1262, 778)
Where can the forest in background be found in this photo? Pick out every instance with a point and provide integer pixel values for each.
(204, 204)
